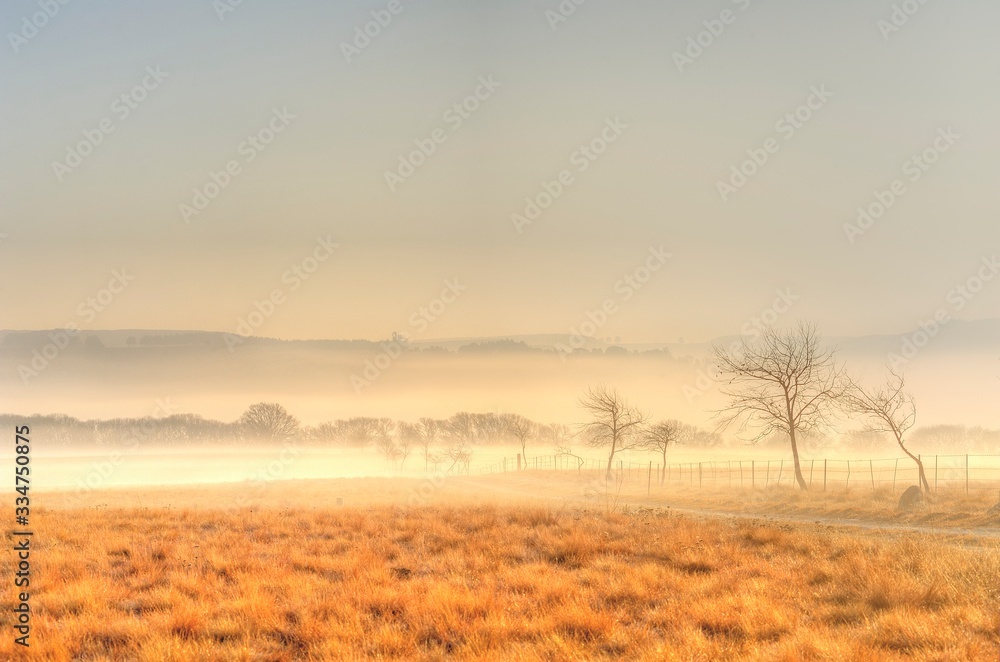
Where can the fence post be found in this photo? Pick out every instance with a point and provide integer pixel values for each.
(871, 470)
(848, 475)
(824, 475)
(966, 473)
(895, 469)
(781, 469)
(699, 474)
(812, 465)
(767, 476)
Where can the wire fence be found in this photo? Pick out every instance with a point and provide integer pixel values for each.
(943, 472)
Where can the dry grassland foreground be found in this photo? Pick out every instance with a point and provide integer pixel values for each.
(492, 582)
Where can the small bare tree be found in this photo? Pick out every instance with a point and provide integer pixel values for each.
(660, 437)
(783, 381)
(429, 431)
(889, 408)
(614, 423)
(522, 431)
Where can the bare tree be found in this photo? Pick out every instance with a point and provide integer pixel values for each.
(460, 454)
(660, 437)
(267, 421)
(783, 381)
(614, 423)
(407, 438)
(890, 408)
(429, 431)
(522, 431)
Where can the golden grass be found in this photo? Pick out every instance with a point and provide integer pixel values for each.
(951, 508)
(492, 582)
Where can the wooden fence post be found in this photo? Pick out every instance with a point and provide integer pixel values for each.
(894, 470)
(812, 465)
(871, 470)
(699, 475)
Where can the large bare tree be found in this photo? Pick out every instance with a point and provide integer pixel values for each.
(614, 423)
(781, 381)
(659, 437)
(889, 408)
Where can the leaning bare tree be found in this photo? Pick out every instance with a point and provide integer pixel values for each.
(889, 408)
(660, 437)
(782, 381)
(614, 423)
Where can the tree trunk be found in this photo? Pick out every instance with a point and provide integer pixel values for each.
(795, 457)
(924, 485)
(663, 473)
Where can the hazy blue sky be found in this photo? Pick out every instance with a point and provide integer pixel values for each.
(655, 185)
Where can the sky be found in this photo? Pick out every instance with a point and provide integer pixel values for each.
(251, 173)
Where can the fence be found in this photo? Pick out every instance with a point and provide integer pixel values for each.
(957, 472)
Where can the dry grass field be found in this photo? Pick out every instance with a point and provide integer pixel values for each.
(480, 580)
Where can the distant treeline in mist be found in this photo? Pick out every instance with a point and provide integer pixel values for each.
(91, 341)
(270, 423)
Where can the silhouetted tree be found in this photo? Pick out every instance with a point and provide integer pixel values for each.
(780, 382)
(889, 408)
(614, 423)
(660, 437)
(268, 421)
